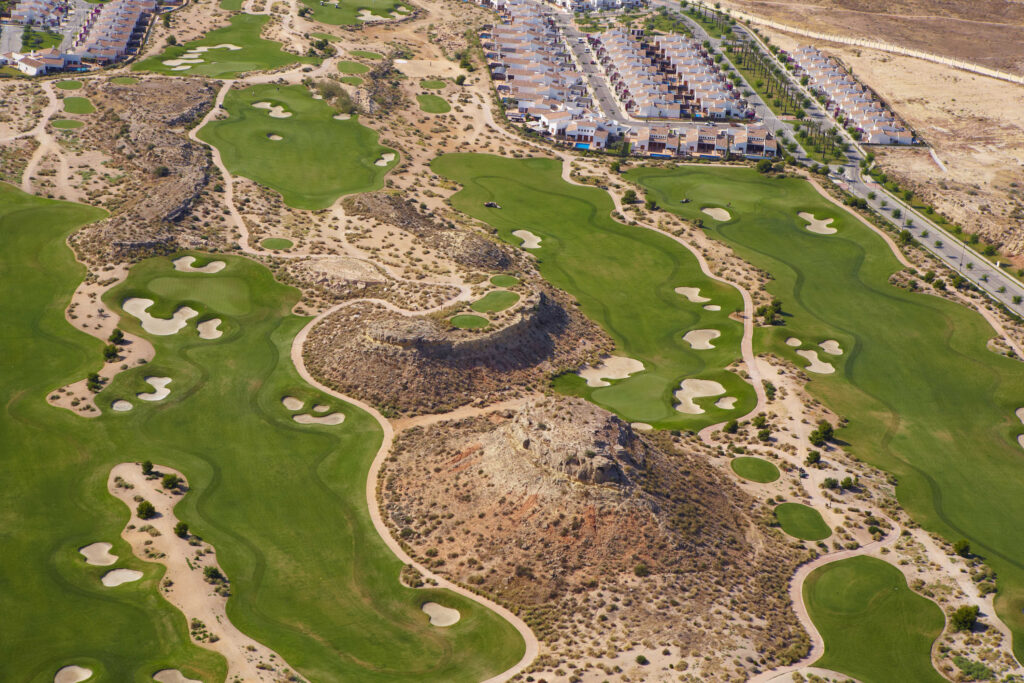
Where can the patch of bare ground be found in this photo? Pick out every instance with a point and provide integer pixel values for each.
(21, 106)
(604, 541)
(14, 157)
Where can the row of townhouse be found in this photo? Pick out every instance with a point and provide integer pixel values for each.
(850, 100)
(667, 76)
(113, 30)
(41, 62)
(598, 5)
(704, 141)
(45, 13)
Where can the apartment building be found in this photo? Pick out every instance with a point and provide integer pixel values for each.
(113, 30)
(41, 62)
(43, 13)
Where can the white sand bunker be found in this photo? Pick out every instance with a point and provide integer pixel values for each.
(612, 367)
(831, 347)
(818, 226)
(441, 615)
(717, 214)
(98, 554)
(307, 419)
(208, 329)
(274, 137)
(222, 46)
(700, 340)
(530, 241)
(173, 676)
(184, 264)
(385, 159)
(121, 405)
(712, 307)
(1020, 416)
(366, 15)
(690, 389)
(693, 294)
(342, 117)
(184, 67)
(727, 403)
(160, 390)
(641, 427)
(320, 408)
(292, 403)
(72, 674)
(276, 110)
(119, 576)
(158, 326)
(816, 364)
(179, 62)
(794, 342)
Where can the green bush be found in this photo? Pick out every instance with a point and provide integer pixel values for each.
(145, 510)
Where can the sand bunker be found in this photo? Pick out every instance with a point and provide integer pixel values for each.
(342, 117)
(440, 615)
(712, 307)
(530, 241)
(208, 329)
(693, 294)
(184, 264)
(179, 62)
(1020, 416)
(641, 427)
(160, 390)
(275, 138)
(276, 110)
(366, 15)
(98, 554)
(727, 403)
(831, 347)
(385, 159)
(72, 674)
(119, 576)
(717, 214)
(192, 56)
(173, 676)
(292, 403)
(121, 405)
(700, 340)
(222, 46)
(186, 67)
(307, 419)
(320, 408)
(690, 389)
(612, 367)
(816, 364)
(793, 341)
(818, 226)
(158, 326)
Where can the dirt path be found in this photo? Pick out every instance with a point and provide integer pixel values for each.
(461, 413)
(47, 144)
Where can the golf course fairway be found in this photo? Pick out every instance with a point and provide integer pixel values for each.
(283, 503)
(926, 400)
(624, 279)
(874, 627)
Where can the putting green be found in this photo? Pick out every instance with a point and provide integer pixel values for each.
(504, 281)
(318, 160)
(124, 80)
(346, 12)
(347, 67)
(469, 322)
(875, 628)
(624, 278)
(755, 469)
(244, 31)
(283, 503)
(802, 521)
(926, 400)
(69, 85)
(492, 302)
(66, 124)
(366, 54)
(78, 105)
(351, 80)
(276, 243)
(433, 104)
(431, 84)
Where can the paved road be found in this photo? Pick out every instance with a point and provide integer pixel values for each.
(10, 38)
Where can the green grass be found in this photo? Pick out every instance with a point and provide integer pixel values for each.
(504, 281)
(351, 80)
(284, 505)
(124, 80)
(34, 39)
(78, 105)
(347, 67)
(926, 400)
(802, 521)
(347, 11)
(432, 84)
(495, 301)
(319, 159)
(231, 5)
(624, 278)
(66, 124)
(433, 104)
(276, 243)
(366, 54)
(875, 628)
(755, 469)
(244, 31)
(469, 322)
(325, 36)
(68, 85)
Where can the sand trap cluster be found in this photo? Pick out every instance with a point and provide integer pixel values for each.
(307, 419)
(292, 403)
(690, 389)
(158, 326)
(72, 674)
(208, 329)
(530, 241)
(121, 406)
(160, 390)
(320, 408)
(692, 294)
(831, 347)
(366, 15)
(820, 227)
(816, 364)
(98, 554)
(276, 111)
(118, 576)
(700, 340)
(173, 676)
(184, 264)
(441, 615)
(717, 214)
(794, 342)
(194, 56)
(727, 403)
(612, 367)
(385, 159)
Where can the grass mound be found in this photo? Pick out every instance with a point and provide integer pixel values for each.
(432, 84)
(66, 124)
(78, 105)
(755, 469)
(875, 628)
(493, 302)
(467, 321)
(69, 85)
(433, 104)
(276, 243)
(351, 80)
(347, 67)
(504, 281)
(802, 521)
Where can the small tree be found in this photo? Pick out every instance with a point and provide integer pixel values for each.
(110, 352)
(145, 510)
(962, 548)
(170, 481)
(460, 79)
(181, 530)
(117, 336)
(650, 205)
(147, 468)
(641, 570)
(963, 618)
(813, 458)
(731, 427)
(629, 197)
